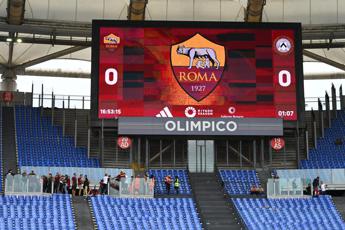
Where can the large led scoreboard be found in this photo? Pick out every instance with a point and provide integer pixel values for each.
(196, 70)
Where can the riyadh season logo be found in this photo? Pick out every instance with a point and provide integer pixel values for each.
(190, 112)
(231, 110)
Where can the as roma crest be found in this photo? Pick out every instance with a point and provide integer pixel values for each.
(198, 65)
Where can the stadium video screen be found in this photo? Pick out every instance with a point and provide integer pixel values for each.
(196, 69)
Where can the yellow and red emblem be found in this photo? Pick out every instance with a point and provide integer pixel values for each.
(111, 41)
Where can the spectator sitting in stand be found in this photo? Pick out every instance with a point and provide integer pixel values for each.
(338, 142)
(256, 190)
(92, 192)
(32, 173)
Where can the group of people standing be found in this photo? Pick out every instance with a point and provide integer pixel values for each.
(75, 185)
(317, 187)
(168, 181)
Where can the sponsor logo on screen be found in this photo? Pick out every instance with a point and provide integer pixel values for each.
(190, 111)
(198, 65)
(283, 45)
(165, 112)
(232, 110)
(111, 41)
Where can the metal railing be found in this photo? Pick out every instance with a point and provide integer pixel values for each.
(284, 188)
(23, 185)
(61, 101)
(133, 187)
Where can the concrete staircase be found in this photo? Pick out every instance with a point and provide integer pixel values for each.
(9, 147)
(82, 213)
(216, 211)
(339, 202)
(263, 175)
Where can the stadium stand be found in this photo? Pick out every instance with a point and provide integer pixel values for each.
(1, 177)
(36, 212)
(159, 213)
(239, 182)
(309, 213)
(42, 144)
(328, 154)
(160, 174)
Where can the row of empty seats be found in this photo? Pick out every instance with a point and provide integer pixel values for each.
(1, 177)
(145, 214)
(239, 182)
(160, 174)
(36, 212)
(328, 154)
(42, 144)
(300, 213)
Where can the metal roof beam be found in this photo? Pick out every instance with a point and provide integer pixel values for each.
(323, 59)
(324, 45)
(44, 73)
(52, 41)
(50, 56)
(331, 76)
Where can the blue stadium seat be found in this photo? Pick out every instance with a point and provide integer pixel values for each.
(42, 144)
(297, 213)
(36, 212)
(145, 214)
(238, 182)
(1, 150)
(160, 174)
(328, 155)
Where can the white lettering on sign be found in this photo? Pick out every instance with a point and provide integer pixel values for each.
(200, 126)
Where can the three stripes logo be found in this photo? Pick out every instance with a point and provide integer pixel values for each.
(164, 113)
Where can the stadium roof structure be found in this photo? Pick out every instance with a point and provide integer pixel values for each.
(53, 29)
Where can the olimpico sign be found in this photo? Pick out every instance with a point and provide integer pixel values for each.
(200, 126)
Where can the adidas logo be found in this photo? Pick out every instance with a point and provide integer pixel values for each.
(164, 113)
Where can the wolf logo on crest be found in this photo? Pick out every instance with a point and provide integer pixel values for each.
(198, 65)
(202, 54)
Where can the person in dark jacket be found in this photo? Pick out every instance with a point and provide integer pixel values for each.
(50, 183)
(74, 184)
(316, 183)
(57, 183)
(167, 181)
(86, 185)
